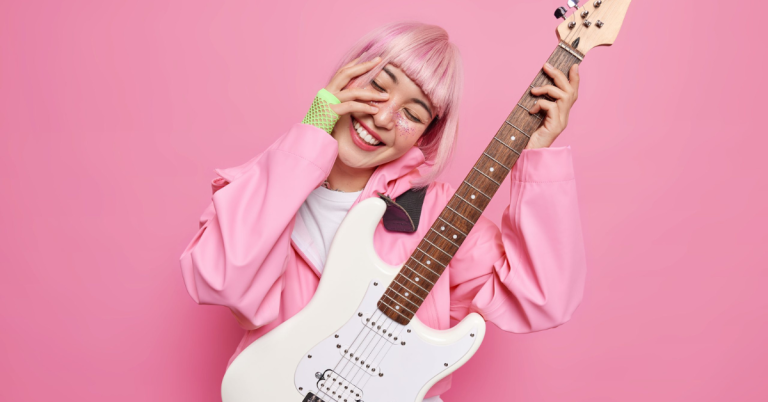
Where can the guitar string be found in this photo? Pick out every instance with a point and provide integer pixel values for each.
(365, 346)
(344, 357)
(386, 347)
(347, 360)
(355, 369)
(375, 348)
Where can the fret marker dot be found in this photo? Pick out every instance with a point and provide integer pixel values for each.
(406, 294)
(513, 138)
(442, 227)
(429, 262)
(397, 307)
(417, 279)
(491, 169)
(472, 196)
(454, 236)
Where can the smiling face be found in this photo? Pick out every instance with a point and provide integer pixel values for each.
(367, 141)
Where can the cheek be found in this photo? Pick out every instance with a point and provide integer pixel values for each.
(405, 127)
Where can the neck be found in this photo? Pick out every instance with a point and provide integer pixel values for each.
(348, 179)
(433, 254)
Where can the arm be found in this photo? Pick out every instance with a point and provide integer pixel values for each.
(530, 276)
(236, 258)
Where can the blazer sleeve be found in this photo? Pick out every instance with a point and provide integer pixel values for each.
(237, 257)
(530, 276)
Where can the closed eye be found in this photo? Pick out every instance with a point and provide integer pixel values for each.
(412, 117)
(377, 86)
(408, 112)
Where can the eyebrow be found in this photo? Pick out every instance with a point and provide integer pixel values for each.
(419, 101)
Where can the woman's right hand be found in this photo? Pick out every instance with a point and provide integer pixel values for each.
(352, 100)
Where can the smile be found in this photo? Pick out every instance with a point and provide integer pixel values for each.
(364, 134)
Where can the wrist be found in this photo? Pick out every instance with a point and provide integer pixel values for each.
(320, 113)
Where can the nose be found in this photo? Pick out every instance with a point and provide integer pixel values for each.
(385, 118)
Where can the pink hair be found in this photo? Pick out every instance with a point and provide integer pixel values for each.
(426, 56)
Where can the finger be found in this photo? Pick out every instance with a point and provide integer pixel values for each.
(542, 104)
(362, 94)
(359, 69)
(344, 75)
(351, 107)
(353, 62)
(574, 77)
(550, 90)
(558, 77)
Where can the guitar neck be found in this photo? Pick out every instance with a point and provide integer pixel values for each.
(418, 276)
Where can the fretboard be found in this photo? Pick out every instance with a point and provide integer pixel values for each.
(415, 280)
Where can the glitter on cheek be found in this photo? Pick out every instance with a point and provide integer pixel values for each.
(403, 125)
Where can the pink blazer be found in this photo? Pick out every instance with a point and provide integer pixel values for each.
(527, 277)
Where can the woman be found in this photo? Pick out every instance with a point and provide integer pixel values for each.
(392, 114)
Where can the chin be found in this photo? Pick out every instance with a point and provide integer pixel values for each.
(348, 155)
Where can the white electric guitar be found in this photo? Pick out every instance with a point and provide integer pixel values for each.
(358, 339)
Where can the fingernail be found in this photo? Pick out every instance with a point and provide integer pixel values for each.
(374, 108)
(548, 65)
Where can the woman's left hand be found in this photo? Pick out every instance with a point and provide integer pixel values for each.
(565, 94)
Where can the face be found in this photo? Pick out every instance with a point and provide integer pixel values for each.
(392, 131)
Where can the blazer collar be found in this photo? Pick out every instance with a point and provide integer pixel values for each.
(394, 178)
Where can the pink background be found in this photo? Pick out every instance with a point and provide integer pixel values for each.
(113, 117)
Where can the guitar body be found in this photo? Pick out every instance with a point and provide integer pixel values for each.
(351, 343)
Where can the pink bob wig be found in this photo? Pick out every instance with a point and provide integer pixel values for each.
(426, 56)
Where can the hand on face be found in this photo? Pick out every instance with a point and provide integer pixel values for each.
(380, 121)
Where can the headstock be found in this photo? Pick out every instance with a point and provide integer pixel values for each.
(597, 23)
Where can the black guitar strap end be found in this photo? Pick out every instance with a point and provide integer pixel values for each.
(404, 213)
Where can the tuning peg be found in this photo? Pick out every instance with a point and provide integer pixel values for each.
(560, 12)
(573, 3)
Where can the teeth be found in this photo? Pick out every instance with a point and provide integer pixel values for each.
(362, 133)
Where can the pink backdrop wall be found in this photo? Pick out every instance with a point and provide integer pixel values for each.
(114, 114)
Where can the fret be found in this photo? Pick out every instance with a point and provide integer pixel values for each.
(518, 129)
(409, 280)
(520, 121)
(433, 258)
(489, 177)
(494, 159)
(465, 218)
(435, 246)
(405, 308)
(454, 227)
(381, 303)
(409, 291)
(478, 190)
(470, 204)
(420, 275)
(536, 115)
(505, 144)
(438, 233)
(419, 262)
(570, 51)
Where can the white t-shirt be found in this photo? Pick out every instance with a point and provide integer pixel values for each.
(317, 221)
